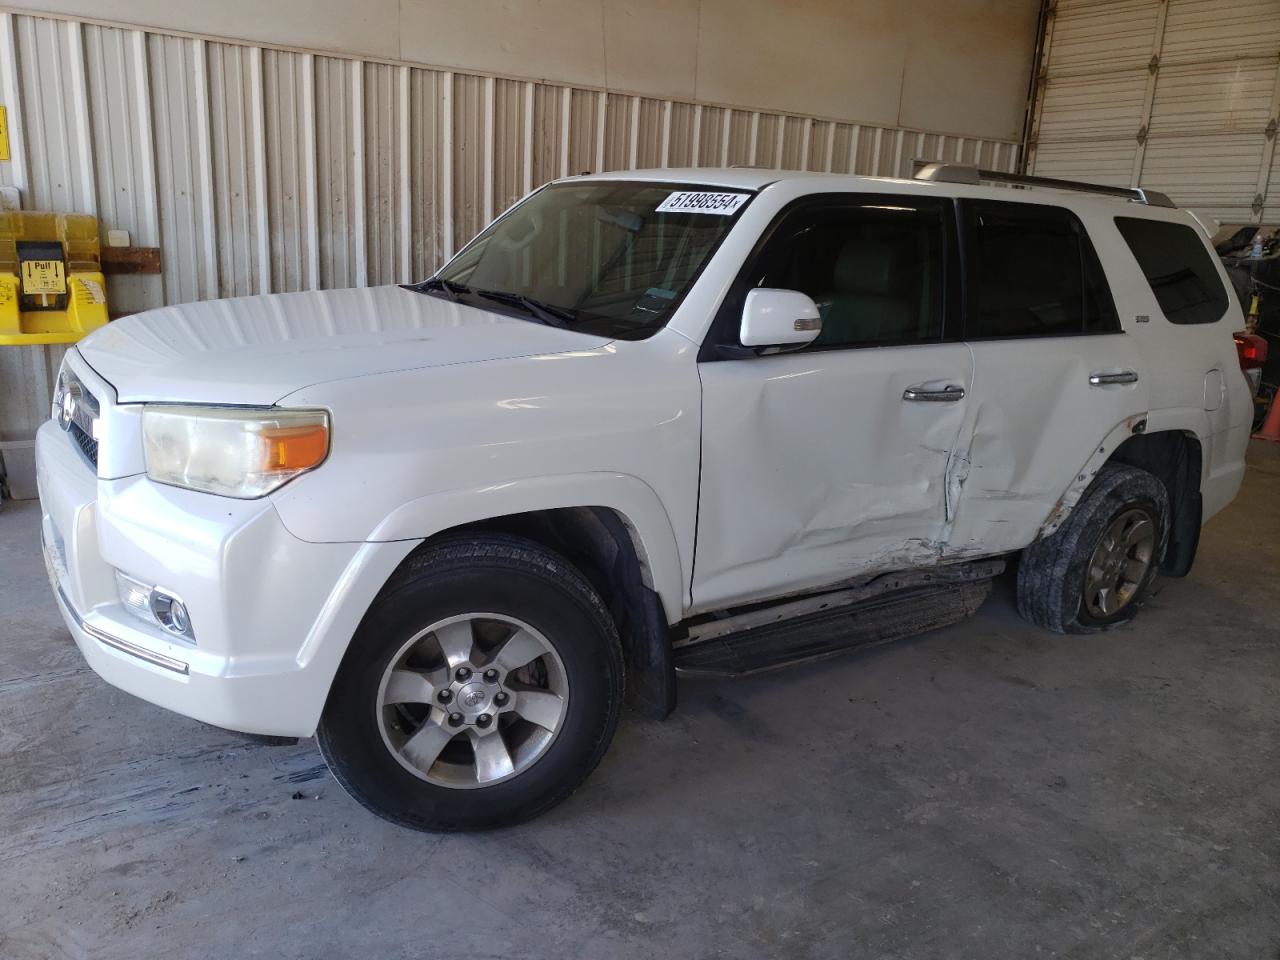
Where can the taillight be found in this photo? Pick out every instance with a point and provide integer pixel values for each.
(1251, 349)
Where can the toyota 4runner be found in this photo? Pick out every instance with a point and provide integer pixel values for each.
(710, 421)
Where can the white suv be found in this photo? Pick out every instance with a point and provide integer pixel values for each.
(700, 420)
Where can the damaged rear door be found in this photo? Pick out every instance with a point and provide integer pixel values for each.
(830, 462)
(1055, 371)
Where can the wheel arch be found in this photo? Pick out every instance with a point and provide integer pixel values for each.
(1175, 456)
(1176, 459)
(636, 505)
(612, 527)
(605, 546)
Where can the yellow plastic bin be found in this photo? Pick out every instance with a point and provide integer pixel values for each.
(51, 284)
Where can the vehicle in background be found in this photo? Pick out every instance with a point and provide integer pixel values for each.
(1251, 254)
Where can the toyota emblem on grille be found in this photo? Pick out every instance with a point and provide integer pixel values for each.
(67, 406)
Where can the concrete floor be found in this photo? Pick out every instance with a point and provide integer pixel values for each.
(986, 791)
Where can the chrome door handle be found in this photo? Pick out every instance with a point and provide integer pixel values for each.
(949, 394)
(1105, 379)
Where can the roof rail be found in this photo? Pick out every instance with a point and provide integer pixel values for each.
(963, 173)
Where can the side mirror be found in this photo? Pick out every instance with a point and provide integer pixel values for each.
(779, 318)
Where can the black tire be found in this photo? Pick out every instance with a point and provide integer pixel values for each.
(1052, 572)
(498, 574)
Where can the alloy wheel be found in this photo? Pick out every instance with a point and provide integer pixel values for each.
(472, 701)
(1120, 563)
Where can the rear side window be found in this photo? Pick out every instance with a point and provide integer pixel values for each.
(1178, 268)
(1032, 272)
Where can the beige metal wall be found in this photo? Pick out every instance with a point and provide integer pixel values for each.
(956, 66)
(258, 168)
(1179, 95)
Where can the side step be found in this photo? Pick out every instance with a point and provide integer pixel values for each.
(880, 618)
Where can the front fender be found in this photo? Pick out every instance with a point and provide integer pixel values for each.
(632, 498)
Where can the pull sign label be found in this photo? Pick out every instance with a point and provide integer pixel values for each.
(43, 277)
(701, 201)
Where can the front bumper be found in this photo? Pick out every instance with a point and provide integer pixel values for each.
(272, 614)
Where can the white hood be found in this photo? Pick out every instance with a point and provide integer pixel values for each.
(255, 350)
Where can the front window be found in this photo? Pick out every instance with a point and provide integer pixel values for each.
(873, 266)
(610, 258)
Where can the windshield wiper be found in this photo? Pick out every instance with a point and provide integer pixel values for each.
(449, 288)
(547, 313)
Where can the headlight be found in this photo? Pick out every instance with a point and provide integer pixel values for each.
(243, 452)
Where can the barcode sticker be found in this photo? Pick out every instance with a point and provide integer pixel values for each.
(703, 201)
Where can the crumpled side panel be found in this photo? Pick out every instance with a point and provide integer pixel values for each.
(1037, 427)
(814, 469)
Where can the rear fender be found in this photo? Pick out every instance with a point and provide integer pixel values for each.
(1084, 476)
(1187, 421)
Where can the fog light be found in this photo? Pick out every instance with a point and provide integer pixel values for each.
(156, 607)
(171, 613)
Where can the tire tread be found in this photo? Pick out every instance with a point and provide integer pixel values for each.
(494, 553)
(1050, 572)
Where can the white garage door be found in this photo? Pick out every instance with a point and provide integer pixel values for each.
(1178, 95)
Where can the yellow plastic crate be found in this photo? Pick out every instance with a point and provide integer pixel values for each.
(48, 300)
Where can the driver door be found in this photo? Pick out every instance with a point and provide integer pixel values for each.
(830, 462)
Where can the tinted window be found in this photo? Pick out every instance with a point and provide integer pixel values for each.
(1033, 272)
(875, 270)
(1178, 267)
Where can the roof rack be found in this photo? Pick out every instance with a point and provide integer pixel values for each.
(963, 173)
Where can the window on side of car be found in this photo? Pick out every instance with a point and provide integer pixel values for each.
(874, 266)
(1178, 267)
(1032, 272)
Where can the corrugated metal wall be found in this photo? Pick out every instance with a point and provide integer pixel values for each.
(258, 169)
(1179, 95)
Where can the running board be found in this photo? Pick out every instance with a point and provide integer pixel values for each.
(880, 617)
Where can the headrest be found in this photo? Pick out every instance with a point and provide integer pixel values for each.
(864, 266)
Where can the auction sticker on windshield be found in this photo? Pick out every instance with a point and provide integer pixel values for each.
(702, 201)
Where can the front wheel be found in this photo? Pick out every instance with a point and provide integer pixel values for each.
(482, 687)
(1095, 570)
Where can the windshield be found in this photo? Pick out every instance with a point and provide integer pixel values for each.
(610, 258)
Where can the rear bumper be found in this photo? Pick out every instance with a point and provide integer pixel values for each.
(272, 614)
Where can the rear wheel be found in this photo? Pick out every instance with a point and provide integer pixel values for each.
(483, 686)
(1095, 571)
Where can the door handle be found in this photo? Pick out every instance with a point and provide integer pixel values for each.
(1106, 379)
(949, 394)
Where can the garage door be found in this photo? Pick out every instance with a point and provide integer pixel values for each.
(1178, 95)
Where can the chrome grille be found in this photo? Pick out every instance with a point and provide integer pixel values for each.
(88, 446)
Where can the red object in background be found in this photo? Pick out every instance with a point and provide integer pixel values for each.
(1271, 425)
(1252, 350)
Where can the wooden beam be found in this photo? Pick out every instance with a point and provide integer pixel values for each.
(118, 261)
